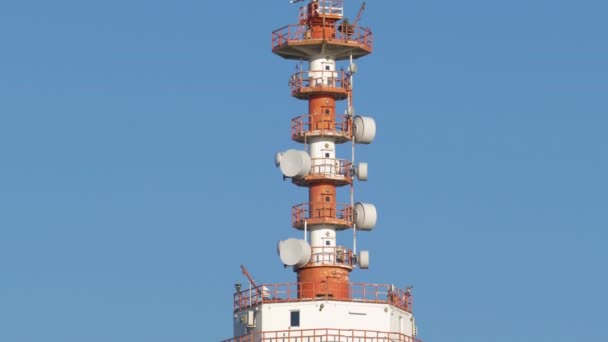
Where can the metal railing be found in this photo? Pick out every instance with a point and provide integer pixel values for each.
(314, 79)
(330, 7)
(291, 292)
(330, 167)
(324, 335)
(352, 35)
(321, 212)
(319, 124)
(340, 256)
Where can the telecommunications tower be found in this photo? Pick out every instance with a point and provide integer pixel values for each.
(323, 304)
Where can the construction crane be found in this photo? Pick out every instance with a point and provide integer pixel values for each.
(349, 28)
(253, 284)
(359, 14)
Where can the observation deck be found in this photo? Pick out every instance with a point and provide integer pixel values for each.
(303, 292)
(339, 215)
(321, 125)
(297, 42)
(338, 171)
(303, 84)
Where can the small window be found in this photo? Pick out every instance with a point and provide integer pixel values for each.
(326, 155)
(295, 318)
(327, 68)
(327, 243)
(327, 111)
(327, 199)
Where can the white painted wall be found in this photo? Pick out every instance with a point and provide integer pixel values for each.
(322, 71)
(321, 148)
(333, 315)
(321, 235)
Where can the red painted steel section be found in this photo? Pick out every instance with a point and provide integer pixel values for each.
(318, 282)
(322, 111)
(322, 199)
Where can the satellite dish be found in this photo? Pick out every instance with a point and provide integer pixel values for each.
(294, 252)
(362, 171)
(365, 129)
(366, 216)
(295, 163)
(363, 260)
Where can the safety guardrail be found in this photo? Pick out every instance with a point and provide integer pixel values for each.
(344, 34)
(319, 80)
(291, 292)
(321, 125)
(321, 213)
(330, 167)
(332, 256)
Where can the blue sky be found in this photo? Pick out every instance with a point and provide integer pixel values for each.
(136, 165)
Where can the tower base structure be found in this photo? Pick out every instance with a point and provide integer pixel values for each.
(276, 312)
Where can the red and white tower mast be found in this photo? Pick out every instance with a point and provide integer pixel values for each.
(324, 305)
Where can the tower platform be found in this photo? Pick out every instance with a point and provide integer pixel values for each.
(296, 42)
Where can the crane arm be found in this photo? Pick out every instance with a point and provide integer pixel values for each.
(253, 284)
(361, 10)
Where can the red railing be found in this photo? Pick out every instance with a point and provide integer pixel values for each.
(324, 335)
(319, 125)
(314, 79)
(288, 33)
(290, 292)
(321, 212)
(347, 34)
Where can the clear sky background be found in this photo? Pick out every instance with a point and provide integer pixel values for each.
(136, 165)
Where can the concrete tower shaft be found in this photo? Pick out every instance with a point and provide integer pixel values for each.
(322, 40)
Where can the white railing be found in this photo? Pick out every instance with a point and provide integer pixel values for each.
(331, 7)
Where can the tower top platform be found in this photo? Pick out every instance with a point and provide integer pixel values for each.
(297, 42)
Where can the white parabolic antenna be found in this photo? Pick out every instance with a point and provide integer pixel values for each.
(295, 163)
(364, 260)
(362, 171)
(366, 216)
(294, 252)
(365, 129)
